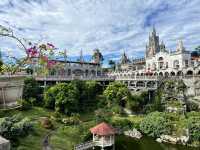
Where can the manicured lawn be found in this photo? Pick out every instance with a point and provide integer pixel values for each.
(63, 138)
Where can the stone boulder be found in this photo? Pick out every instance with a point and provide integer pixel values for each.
(134, 133)
(173, 140)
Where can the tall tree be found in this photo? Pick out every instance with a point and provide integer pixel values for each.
(97, 56)
(112, 64)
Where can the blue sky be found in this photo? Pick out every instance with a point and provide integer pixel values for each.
(113, 26)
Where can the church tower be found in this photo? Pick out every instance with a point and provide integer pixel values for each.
(180, 47)
(124, 59)
(153, 46)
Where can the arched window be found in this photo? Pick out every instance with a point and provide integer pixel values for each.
(166, 74)
(172, 73)
(160, 61)
(176, 64)
(189, 72)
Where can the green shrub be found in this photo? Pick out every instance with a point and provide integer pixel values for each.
(117, 94)
(62, 98)
(194, 125)
(14, 127)
(122, 123)
(116, 109)
(73, 120)
(25, 105)
(155, 124)
(32, 90)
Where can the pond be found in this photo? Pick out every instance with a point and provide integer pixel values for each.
(146, 143)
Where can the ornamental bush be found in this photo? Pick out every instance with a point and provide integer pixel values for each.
(62, 97)
(117, 93)
(194, 125)
(155, 124)
(14, 127)
(73, 120)
(32, 90)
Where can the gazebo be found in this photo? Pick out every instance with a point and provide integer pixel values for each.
(103, 135)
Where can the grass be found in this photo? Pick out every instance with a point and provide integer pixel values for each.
(63, 138)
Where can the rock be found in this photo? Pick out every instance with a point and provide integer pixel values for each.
(174, 140)
(184, 139)
(169, 139)
(159, 140)
(133, 133)
(46, 122)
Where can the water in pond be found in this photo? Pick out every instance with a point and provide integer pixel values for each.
(146, 143)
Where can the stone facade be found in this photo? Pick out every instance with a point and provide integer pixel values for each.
(157, 63)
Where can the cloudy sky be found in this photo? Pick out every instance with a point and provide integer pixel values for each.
(113, 26)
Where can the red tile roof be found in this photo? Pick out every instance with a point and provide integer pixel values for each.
(103, 129)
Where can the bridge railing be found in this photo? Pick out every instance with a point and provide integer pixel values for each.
(84, 146)
(74, 78)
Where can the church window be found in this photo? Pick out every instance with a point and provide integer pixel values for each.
(186, 63)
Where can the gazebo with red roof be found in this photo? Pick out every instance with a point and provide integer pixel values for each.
(103, 135)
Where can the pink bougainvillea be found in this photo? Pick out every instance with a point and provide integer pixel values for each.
(32, 51)
(50, 46)
(51, 63)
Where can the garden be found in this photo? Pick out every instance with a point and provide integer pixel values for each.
(66, 112)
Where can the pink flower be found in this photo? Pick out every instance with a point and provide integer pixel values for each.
(32, 51)
(51, 63)
(51, 46)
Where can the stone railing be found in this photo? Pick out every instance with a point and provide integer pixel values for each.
(69, 78)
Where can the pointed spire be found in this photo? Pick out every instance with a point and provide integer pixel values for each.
(81, 56)
(154, 30)
(180, 46)
(124, 58)
(65, 55)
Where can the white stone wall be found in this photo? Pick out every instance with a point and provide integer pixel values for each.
(10, 91)
(169, 58)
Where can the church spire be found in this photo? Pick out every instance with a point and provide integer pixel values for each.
(81, 56)
(124, 58)
(180, 46)
(154, 30)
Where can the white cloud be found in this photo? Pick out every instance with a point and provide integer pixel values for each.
(110, 25)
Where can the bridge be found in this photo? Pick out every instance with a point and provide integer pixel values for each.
(138, 83)
(85, 146)
(134, 83)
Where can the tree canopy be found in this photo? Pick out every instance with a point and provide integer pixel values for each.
(155, 124)
(117, 93)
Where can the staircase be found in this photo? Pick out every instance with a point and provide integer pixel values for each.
(84, 146)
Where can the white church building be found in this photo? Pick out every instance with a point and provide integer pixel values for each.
(159, 61)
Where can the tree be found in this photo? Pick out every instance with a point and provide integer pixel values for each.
(193, 124)
(155, 124)
(88, 91)
(1, 65)
(32, 90)
(112, 64)
(62, 97)
(197, 49)
(117, 93)
(97, 56)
